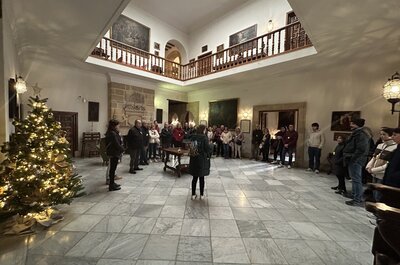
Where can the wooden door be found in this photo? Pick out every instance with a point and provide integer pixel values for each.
(69, 123)
(295, 35)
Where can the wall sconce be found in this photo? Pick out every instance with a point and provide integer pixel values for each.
(246, 115)
(204, 115)
(84, 100)
(270, 26)
(391, 91)
(20, 85)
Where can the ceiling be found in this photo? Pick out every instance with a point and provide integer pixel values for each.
(66, 30)
(187, 15)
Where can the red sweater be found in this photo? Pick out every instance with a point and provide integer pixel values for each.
(290, 138)
(178, 134)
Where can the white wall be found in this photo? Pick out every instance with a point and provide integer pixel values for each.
(252, 12)
(159, 31)
(62, 85)
(344, 88)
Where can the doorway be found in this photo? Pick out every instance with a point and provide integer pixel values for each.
(274, 116)
(69, 124)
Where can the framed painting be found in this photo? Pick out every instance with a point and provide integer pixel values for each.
(159, 114)
(220, 54)
(245, 126)
(94, 108)
(344, 135)
(132, 33)
(156, 45)
(341, 120)
(223, 112)
(243, 35)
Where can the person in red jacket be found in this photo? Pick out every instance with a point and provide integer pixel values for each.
(289, 145)
(177, 135)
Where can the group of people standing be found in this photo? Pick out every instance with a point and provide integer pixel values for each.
(359, 154)
(225, 143)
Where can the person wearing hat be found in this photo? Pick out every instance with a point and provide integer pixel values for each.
(355, 155)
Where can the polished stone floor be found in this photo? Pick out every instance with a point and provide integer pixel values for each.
(253, 213)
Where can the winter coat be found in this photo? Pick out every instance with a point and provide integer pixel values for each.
(114, 144)
(166, 136)
(381, 158)
(316, 139)
(239, 138)
(357, 147)
(154, 136)
(266, 141)
(338, 161)
(199, 165)
(257, 136)
(226, 137)
(146, 136)
(290, 138)
(392, 172)
(217, 135)
(134, 139)
(178, 134)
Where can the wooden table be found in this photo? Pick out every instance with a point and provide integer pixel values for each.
(178, 153)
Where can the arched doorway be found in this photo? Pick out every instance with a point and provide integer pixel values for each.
(175, 54)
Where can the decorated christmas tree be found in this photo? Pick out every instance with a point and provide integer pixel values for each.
(37, 172)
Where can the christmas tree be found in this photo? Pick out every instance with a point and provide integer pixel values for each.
(37, 172)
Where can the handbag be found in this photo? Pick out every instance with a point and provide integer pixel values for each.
(238, 142)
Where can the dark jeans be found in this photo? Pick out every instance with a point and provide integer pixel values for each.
(341, 173)
(152, 150)
(314, 154)
(113, 168)
(220, 149)
(355, 172)
(226, 150)
(277, 152)
(134, 163)
(290, 151)
(194, 183)
(265, 152)
(143, 154)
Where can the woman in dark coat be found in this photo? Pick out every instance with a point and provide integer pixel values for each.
(200, 154)
(114, 151)
(340, 169)
(265, 144)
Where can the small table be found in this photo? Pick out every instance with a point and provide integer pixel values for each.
(178, 152)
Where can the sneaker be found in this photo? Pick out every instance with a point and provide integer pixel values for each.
(194, 197)
(354, 203)
(201, 197)
(289, 166)
(316, 171)
(308, 169)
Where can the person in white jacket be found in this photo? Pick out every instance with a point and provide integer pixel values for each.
(226, 138)
(153, 142)
(382, 155)
(315, 143)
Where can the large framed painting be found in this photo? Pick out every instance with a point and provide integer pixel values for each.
(243, 36)
(223, 112)
(341, 120)
(132, 33)
(245, 126)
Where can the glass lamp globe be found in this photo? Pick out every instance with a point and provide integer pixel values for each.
(20, 85)
(391, 89)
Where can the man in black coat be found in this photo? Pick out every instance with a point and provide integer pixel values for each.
(355, 155)
(392, 172)
(256, 140)
(144, 153)
(166, 138)
(135, 145)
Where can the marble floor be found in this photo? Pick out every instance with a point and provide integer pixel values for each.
(253, 213)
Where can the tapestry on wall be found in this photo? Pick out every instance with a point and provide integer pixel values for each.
(132, 33)
(223, 112)
(128, 103)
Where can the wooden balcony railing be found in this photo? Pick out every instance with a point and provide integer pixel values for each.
(286, 39)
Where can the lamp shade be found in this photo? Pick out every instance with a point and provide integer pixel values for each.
(391, 89)
(20, 85)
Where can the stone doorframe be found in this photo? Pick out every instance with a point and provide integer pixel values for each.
(301, 107)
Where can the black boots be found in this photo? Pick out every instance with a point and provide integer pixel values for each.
(113, 187)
